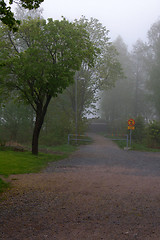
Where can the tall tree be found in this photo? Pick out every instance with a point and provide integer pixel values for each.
(91, 80)
(140, 103)
(42, 61)
(154, 64)
(128, 99)
(116, 104)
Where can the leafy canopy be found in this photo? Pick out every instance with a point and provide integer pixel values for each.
(7, 16)
(40, 60)
(44, 56)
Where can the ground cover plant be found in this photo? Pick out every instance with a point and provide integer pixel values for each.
(3, 185)
(145, 136)
(17, 162)
(12, 162)
(64, 148)
(137, 146)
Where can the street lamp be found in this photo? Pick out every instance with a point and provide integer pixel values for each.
(76, 117)
(76, 105)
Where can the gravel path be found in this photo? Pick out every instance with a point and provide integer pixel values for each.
(100, 192)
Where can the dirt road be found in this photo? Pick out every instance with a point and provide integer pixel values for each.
(100, 192)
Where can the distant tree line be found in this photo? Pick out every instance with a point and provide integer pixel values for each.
(138, 93)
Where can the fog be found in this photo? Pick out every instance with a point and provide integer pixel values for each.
(129, 19)
(132, 94)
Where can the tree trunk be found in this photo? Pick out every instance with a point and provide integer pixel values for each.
(40, 114)
(35, 137)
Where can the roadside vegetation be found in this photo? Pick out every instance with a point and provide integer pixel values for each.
(137, 95)
(145, 136)
(13, 162)
(3, 185)
(137, 146)
(47, 90)
(50, 74)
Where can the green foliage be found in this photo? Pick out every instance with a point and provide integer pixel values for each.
(16, 122)
(2, 142)
(24, 162)
(153, 134)
(137, 146)
(59, 122)
(42, 62)
(128, 98)
(45, 58)
(153, 63)
(3, 185)
(90, 80)
(116, 103)
(138, 134)
(122, 144)
(7, 16)
(64, 148)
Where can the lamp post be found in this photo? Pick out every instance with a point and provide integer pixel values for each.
(76, 117)
(76, 103)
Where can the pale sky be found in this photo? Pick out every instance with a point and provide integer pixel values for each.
(131, 19)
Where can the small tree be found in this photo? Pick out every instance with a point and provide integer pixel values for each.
(89, 81)
(153, 134)
(42, 60)
(16, 122)
(139, 132)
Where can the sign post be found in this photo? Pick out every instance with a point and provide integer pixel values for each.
(131, 123)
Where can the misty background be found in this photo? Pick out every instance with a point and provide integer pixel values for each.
(129, 19)
(123, 84)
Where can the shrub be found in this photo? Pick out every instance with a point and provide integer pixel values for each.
(139, 133)
(153, 134)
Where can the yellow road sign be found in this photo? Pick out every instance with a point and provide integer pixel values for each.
(130, 127)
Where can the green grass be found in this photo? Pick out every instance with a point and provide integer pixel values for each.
(143, 147)
(136, 146)
(121, 144)
(81, 140)
(24, 162)
(12, 162)
(65, 148)
(3, 185)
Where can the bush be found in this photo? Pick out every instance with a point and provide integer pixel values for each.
(2, 142)
(153, 134)
(3, 185)
(139, 133)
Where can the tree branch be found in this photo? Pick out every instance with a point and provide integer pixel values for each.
(9, 35)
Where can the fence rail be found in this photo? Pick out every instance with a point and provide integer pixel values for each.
(77, 138)
(119, 139)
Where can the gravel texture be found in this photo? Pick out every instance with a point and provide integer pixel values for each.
(100, 192)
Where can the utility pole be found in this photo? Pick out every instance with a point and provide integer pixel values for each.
(76, 117)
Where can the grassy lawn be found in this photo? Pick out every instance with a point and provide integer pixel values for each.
(3, 185)
(23, 162)
(136, 146)
(12, 162)
(65, 148)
